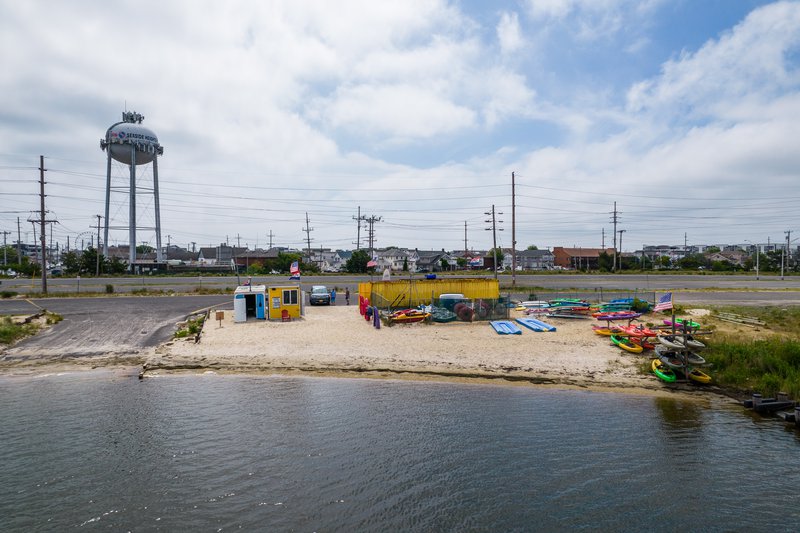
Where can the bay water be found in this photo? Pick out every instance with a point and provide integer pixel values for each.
(100, 451)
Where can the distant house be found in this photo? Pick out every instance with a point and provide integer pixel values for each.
(250, 257)
(736, 258)
(535, 260)
(219, 255)
(395, 258)
(431, 260)
(329, 260)
(579, 257)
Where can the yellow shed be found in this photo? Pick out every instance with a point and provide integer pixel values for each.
(287, 298)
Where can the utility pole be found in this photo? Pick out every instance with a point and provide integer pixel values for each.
(42, 222)
(465, 238)
(97, 250)
(5, 250)
(371, 224)
(620, 247)
(786, 255)
(270, 235)
(19, 243)
(513, 233)
(493, 229)
(603, 238)
(308, 231)
(614, 220)
(359, 219)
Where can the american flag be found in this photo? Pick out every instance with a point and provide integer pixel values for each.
(372, 263)
(294, 270)
(664, 303)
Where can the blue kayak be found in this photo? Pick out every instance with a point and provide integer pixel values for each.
(505, 327)
(535, 325)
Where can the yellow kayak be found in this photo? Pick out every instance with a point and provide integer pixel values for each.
(626, 344)
(698, 376)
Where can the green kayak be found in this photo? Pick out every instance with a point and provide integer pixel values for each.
(663, 372)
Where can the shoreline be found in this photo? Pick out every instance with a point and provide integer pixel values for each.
(337, 342)
(50, 368)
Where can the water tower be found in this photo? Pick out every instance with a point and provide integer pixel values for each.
(130, 143)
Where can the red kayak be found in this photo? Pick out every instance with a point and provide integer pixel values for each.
(639, 331)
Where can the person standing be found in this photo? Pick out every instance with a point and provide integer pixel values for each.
(347, 295)
(333, 296)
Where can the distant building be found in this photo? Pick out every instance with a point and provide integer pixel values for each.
(395, 258)
(535, 260)
(431, 260)
(249, 258)
(579, 257)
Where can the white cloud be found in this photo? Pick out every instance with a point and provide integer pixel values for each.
(509, 33)
(589, 20)
(398, 112)
(747, 64)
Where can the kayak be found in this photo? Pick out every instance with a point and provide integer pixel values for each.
(407, 316)
(535, 325)
(639, 331)
(505, 327)
(692, 343)
(643, 342)
(662, 372)
(626, 344)
(671, 341)
(681, 322)
(616, 315)
(670, 360)
(601, 330)
(698, 376)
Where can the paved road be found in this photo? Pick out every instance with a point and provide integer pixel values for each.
(645, 282)
(97, 326)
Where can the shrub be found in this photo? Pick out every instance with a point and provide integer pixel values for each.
(10, 332)
(109, 289)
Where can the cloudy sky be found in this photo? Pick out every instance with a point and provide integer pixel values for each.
(686, 113)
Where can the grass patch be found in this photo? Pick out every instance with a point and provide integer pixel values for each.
(767, 366)
(765, 359)
(11, 332)
(193, 326)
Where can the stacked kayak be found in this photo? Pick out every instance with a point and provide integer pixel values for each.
(616, 315)
(626, 344)
(662, 372)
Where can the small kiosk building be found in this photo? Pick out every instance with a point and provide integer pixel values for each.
(285, 302)
(249, 301)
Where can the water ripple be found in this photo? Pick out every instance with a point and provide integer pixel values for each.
(278, 453)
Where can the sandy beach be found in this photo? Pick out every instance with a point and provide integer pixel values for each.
(338, 341)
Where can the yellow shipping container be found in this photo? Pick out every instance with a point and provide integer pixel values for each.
(411, 293)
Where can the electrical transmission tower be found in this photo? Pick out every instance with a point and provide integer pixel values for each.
(371, 220)
(308, 229)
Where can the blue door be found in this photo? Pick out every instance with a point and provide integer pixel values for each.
(260, 306)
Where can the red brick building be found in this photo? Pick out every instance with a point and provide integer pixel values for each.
(579, 257)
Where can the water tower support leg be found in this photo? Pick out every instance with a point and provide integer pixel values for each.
(159, 254)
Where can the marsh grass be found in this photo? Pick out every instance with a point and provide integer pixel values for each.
(768, 364)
